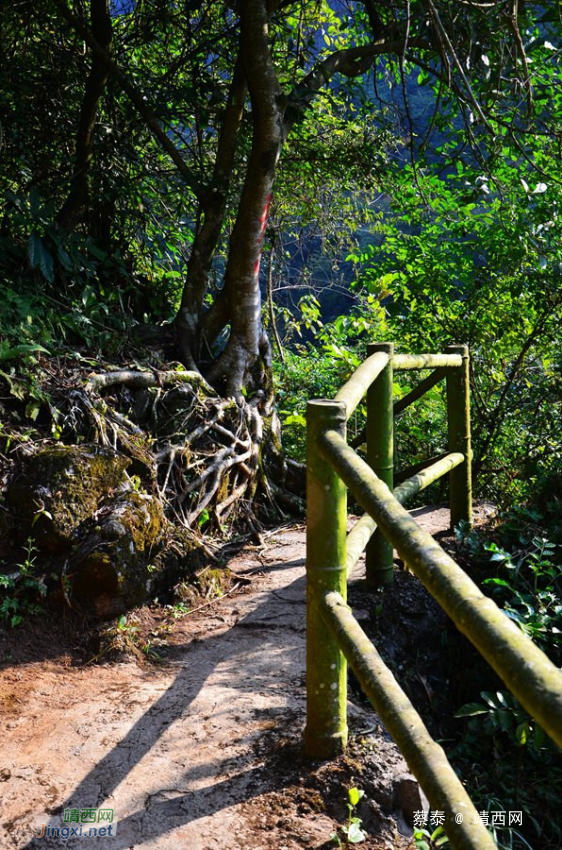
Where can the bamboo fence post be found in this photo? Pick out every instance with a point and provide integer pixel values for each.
(326, 668)
(458, 416)
(380, 457)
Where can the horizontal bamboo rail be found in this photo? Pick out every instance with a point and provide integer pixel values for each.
(365, 527)
(353, 391)
(425, 757)
(357, 539)
(425, 361)
(526, 671)
(417, 467)
(427, 476)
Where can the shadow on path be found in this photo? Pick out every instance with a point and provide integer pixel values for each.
(261, 654)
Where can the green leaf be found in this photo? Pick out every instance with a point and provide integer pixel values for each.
(9, 353)
(491, 699)
(438, 837)
(506, 719)
(46, 265)
(355, 834)
(40, 257)
(522, 733)
(34, 247)
(295, 419)
(355, 795)
(203, 517)
(499, 582)
(471, 709)
(97, 252)
(32, 409)
(64, 258)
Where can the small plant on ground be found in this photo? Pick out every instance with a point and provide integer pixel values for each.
(352, 832)
(22, 589)
(425, 840)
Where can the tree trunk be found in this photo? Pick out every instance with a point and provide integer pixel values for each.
(76, 204)
(188, 323)
(244, 363)
(247, 341)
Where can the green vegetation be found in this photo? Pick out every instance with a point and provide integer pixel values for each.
(252, 193)
(23, 590)
(351, 831)
(425, 839)
(512, 764)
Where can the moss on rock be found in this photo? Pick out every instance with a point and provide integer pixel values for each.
(62, 486)
(112, 568)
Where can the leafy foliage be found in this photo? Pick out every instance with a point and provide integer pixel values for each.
(23, 589)
(523, 570)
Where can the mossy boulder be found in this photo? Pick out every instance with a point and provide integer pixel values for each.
(112, 568)
(62, 486)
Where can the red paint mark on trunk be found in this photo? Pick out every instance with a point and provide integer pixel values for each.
(263, 224)
(263, 219)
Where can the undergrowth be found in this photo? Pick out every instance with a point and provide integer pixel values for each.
(509, 762)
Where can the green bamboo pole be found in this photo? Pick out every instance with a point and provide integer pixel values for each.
(326, 669)
(379, 563)
(426, 759)
(526, 671)
(458, 414)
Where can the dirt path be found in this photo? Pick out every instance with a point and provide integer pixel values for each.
(201, 752)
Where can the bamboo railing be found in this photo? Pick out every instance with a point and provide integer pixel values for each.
(334, 638)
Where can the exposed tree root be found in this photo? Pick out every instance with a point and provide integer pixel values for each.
(207, 458)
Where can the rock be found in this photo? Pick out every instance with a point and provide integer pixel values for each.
(106, 547)
(409, 797)
(384, 793)
(62, 486)
(113, 565)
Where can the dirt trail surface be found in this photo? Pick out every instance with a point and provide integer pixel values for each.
(202, 751)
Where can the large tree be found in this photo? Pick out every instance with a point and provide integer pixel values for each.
(233, 80)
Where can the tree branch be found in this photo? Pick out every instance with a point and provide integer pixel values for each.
(350, 61)
(134, 95)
